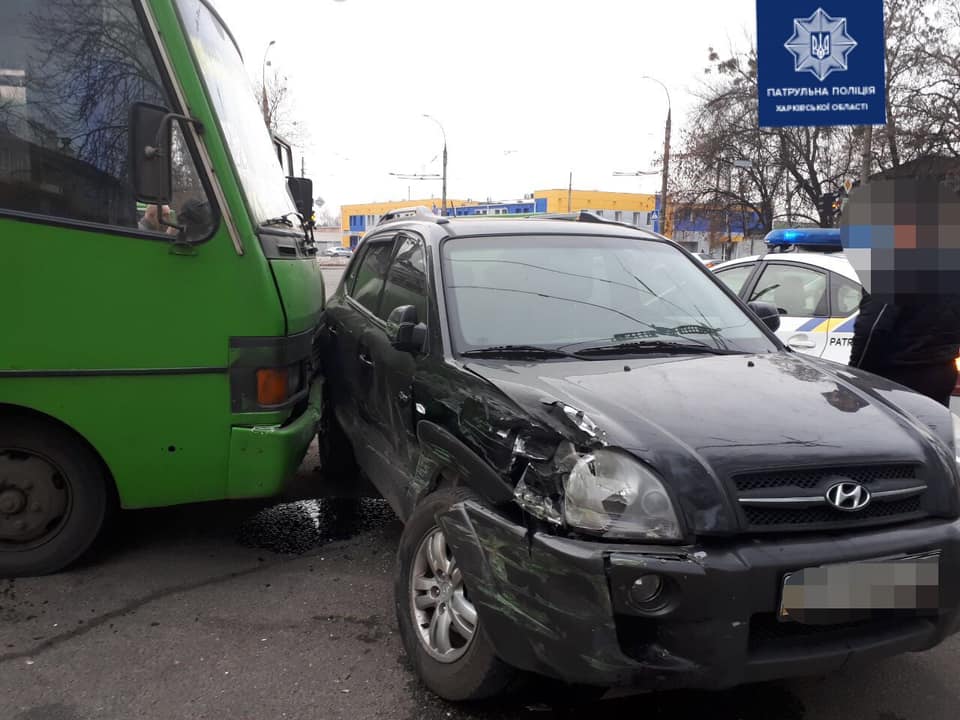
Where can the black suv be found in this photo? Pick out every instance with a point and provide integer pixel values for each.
(612, 472)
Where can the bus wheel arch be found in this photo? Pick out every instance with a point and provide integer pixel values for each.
(56, 493)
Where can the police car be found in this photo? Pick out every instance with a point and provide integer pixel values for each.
(807, 276)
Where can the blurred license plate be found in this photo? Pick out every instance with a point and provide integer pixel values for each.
(839, 593)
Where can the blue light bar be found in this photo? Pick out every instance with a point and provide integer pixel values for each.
(820, 238)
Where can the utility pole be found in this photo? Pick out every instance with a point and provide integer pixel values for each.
(867, 156)
(666, 171)
(443, 202)
(666, 157)
(570, 193)
(729, 228)
(303, 166)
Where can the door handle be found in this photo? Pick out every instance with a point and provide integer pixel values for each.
(365, 359)
(801, 341)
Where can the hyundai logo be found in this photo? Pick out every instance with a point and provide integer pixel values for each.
(848, 496)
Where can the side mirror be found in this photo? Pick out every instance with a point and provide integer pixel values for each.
(767, 312)
(150, 142)
(403, 330)
(301, 190)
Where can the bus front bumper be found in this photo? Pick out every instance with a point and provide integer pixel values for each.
(264, 459)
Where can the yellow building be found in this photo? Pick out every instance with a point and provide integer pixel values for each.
(626, 204)
(358, 219)
(633, 208)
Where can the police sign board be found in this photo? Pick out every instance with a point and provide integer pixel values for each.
(820, 62)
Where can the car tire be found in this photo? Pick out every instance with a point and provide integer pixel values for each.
(470, 671)
(54, 497)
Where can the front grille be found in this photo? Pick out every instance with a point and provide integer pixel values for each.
(767, 633)
(795, 500)
(812, 478)
(826, 515)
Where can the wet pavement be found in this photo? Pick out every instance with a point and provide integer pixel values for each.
(253, 610)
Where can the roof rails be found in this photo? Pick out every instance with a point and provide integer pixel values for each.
(418, 212)
(585, 216)
(808, 239)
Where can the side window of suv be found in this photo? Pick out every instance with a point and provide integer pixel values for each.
(69, 73)
(407, 281)
(371, 273)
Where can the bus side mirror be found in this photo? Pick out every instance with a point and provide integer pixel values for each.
(150, 142)
(301, 190)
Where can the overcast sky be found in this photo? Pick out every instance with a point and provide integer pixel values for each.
(527, 90)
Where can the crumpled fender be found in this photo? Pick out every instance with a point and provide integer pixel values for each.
(441, 450)
(543, 601)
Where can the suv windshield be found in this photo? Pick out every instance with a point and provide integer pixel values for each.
(248, 140)
(578, 293)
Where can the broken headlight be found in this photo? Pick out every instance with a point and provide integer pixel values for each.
(608, 493)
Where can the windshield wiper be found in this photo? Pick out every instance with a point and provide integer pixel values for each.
(657, 331)
(517, 351)
(653, 346)
(282, 220)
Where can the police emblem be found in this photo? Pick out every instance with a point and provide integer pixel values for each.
(820, 44)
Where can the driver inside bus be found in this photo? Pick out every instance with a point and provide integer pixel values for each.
(194, 219)
(151, 221)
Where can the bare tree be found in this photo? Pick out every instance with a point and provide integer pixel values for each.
(792, 169)
(280, 110)
(328, 218)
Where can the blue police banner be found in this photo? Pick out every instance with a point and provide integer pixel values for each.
(820, 62)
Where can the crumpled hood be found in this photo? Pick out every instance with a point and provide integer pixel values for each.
(700, 420)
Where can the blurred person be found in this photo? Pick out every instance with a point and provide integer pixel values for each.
(151, 221)
(914, 342)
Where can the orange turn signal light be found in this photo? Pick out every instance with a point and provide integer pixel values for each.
(272, 386)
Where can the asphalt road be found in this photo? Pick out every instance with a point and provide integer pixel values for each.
(251, 610)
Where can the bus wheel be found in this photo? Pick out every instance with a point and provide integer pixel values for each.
(53, 497)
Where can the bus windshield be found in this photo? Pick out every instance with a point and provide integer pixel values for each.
(247, 137)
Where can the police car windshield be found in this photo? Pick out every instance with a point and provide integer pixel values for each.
(582, 291)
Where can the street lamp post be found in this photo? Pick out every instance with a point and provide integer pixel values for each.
(266, 102)
(666, 154)
(443, 201)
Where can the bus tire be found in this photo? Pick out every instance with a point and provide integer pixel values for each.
(54, 497)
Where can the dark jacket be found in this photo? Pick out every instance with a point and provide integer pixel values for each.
(918, 330)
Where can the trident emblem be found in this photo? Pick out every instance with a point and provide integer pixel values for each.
(820, 45)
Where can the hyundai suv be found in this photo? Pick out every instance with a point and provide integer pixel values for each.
(613, 473)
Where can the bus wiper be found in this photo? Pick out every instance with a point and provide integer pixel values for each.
(282, 220)
(653, 346)
(509, 351)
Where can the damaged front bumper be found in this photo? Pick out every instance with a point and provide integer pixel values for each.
(561, 607)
